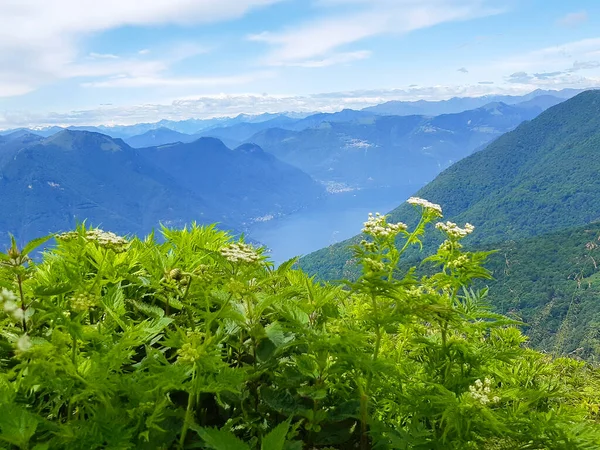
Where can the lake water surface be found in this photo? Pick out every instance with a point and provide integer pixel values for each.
(338, 217)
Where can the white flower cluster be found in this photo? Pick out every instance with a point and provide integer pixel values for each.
(368, 246)
(240, 252)
(10, 305)
(374, 265)
(459, 262)
(426, 204)
(446, 246)
(480, 391)
(377, 226)
(103, 238)
(453, 230)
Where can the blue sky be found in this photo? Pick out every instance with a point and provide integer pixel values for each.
(126, 61)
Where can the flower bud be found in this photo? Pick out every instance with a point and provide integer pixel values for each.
(175, 274)
(14, 252)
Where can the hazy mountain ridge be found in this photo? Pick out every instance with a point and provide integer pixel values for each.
(50, 183)
(460, 104)
(194, 126)
(390, 150)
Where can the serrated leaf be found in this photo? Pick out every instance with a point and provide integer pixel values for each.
(275, 440)
(221, 439)
(149, 310)
(17, 425)
(32, 245)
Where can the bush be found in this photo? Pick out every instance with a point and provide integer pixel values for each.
(198, 341)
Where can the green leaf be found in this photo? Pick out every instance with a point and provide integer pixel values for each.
(44, 446)
(32, 245)
(275, 440)
(57, 289)
(17, 425)
(287, 265)
(221, 439)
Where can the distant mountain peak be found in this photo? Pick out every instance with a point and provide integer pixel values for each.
(80, 140)
(211, 143)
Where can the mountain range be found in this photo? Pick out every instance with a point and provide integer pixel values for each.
(50, 183)
(343, 151)
(460, 104)
(226, 127)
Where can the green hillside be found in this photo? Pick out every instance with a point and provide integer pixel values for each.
(552, 282)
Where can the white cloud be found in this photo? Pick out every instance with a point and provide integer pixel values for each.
(319, 38)
(234, 104)
(157, 81)
(573, 19)
(94, 55)
(578, 55)
(39, 39)
(335, 58)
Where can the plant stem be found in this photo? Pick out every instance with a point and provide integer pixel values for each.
(364, 413)
(377, 327)
(188, 415)
(23, 308)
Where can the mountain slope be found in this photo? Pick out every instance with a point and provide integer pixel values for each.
(159, 136)
(552, 283)
(76, 175)
(251, 182)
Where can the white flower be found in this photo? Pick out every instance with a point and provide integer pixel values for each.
(7, 296)
(374, 265)
(377, 226)
(24, 343)
(453, 230)
(18, 314)
(459, 262)
(240, 252)
(101, 237)
(83, 301)
(426, 204)
(480, 391)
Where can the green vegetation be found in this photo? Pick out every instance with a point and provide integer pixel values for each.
(199, 342)
(552, 283)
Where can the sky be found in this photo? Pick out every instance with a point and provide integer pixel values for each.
(90, 62)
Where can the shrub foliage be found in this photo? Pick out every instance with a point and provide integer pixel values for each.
(198, 341)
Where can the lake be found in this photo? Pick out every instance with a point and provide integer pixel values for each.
(339, 217)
